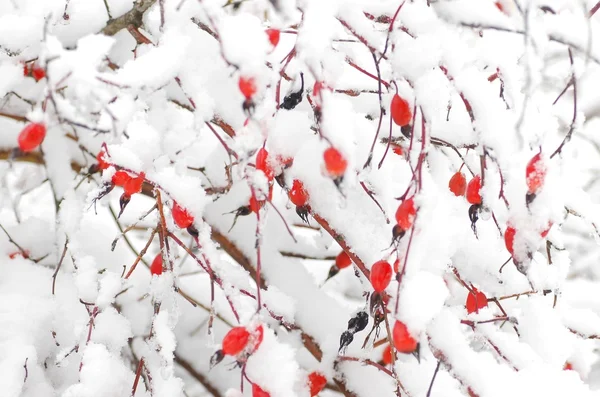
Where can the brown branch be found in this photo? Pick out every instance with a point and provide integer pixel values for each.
(203, 380)
(132, 17)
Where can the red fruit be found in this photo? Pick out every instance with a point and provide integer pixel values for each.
(181, 217)
(100, 158)
(476, 300)
(255, 205)
(157, 265)
(473, 188)
(381, 275)
(297, 194)
(335, 163)
(258, 392)
(247, 86)
(38, 73)
(235, 341)
(387, 355)
(273, 35)
(396, 265)
(120, 178)
(400, 109)
(26, 70)
(535, 174)
(397, 149)
(403, 341)
(13, 255)
(405, 215)
(31, 137)
(568, 366)
(509, 238)
(262, 163)
(316, 383)
(547, 230)
(499, 6)
(257, 337)
(458, 184)
(134, 185)
(342, 260)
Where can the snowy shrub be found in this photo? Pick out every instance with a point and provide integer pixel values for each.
(299, 197)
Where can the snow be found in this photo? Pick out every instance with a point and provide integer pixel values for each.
(82, 331)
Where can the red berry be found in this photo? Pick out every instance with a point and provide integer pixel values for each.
(181, 217)
(31, 136)
(381, 275)
(258, 392)
(297, 194)
(316, 383)
(403, 341)
(387, 355)
(120, 178)
(568, 366)
(157, 265)
(476, 300)
(134, 185)
(235, 341)
(342, 260)
(102, 163)
(24, 254)
(400, 109)
(247, 86)
(535, 174)
(255, 205)
(335, 163)
(396, 265)
(547, 230)
(257, 337)
(509, 239)
(458, 184)
(262, 163)
(26, 70)
(499, 6)
(473, 188)
(38, 73)
(405, 215)
(273, 35)
(397, 149)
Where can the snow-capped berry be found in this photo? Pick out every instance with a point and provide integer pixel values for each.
(120, 178)
(273, 35)
(31, 136)
(297, 194)
(381, 275)
(509, 239)
(475, 300)
(387, 355)
(403, 341)
(181, 217)
(134, 185)
(335, 163)
(235, 341)
(247, 86)
(37, 72)
(473, 190)
(316, 383)
(405, 215)
(342, 260)
(257, 337)
(401, 112)
(535, 174)
(258, 392)
(568, 366)
(396, 266)
(157, 265)
(100, 158)
(458, 184)
(262, 163)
